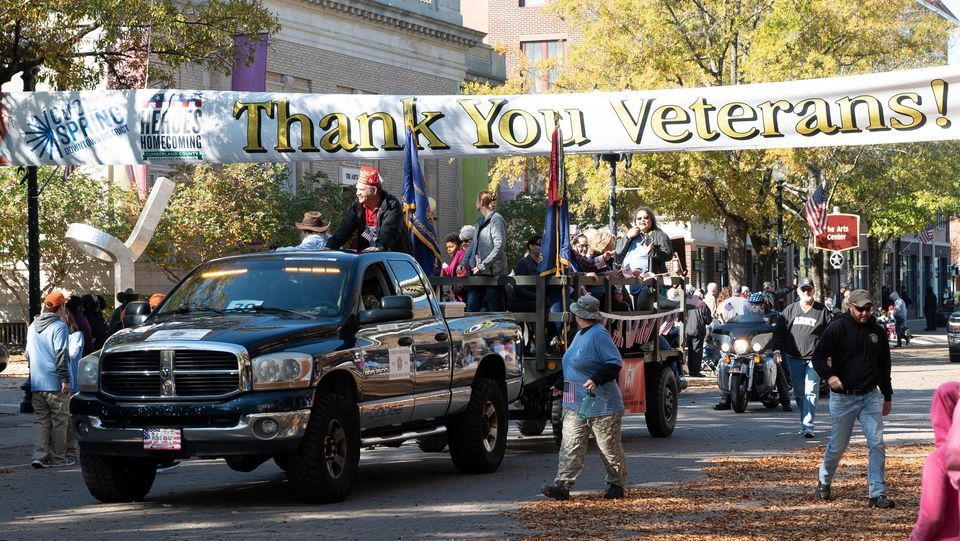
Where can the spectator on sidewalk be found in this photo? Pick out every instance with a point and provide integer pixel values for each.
(75, 348)
(900, 318)
(74, 306)
(698, 317)
(939, 516)
(805, 321)
(930, 309)
(591, 366)
(711, 298)
(48, 354)
(94, 313)
(860, 363)
(116, 318)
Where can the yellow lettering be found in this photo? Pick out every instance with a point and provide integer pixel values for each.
(577, 131)
(848, 120)
(389, 131)
(702, 121)
(670, 115)
(736, 112)
(531, 128)
(817, 122)
(284, 120)
(484, 123)
(899, 104)
(339, 135)
(254, 140)
(423, 127)
(633, 126)
(768, 111)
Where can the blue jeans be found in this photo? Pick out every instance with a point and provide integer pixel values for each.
(484, 299)
(844, 410)
(806, 389)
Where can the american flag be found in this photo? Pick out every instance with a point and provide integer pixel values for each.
(815, 211)
(926, 235)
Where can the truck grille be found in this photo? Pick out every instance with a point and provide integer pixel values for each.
(170, 373)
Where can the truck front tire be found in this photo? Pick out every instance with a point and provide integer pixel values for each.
(324, 467)
(478, 437)
(115, 479)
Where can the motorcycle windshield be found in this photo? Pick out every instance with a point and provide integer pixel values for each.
(738, 310)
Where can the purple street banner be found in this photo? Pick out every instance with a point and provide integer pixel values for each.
(192, 126)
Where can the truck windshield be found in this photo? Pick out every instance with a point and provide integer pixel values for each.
(289, 287)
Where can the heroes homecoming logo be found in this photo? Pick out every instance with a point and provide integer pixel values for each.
(71, 126)
(170, 126)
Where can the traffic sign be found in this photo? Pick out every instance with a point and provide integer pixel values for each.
(836, 260)
(842, 233)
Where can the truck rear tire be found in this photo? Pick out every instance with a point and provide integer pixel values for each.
(662, 395)
(531, 427)
(433, 444)
(324, 467)
(478, 438)
(115, 479)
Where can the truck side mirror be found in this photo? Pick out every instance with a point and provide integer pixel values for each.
(392, 308)
(135, 314)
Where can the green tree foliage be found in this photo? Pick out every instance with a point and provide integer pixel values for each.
(81, 41)
(221, 210)
(81, 199)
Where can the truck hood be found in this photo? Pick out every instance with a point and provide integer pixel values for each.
(255, 333)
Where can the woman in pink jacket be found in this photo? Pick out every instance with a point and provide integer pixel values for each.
(939, 517)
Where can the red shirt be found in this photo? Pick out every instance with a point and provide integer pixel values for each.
(370, 215)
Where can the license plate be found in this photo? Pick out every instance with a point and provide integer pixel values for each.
(161, 439)
(735, 369)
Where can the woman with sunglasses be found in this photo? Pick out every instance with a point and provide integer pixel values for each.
(644, 248)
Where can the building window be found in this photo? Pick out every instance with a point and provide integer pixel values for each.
(538, 56)
(531, 3)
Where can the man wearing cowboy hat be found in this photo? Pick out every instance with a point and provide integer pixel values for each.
(313, 233)
(375, 219)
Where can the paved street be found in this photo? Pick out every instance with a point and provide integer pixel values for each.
(405, 494)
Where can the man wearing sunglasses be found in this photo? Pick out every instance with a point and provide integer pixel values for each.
(859, 378)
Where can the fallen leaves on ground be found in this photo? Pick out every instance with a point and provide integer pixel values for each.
(746, 498)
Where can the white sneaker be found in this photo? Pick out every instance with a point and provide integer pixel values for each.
(69, 461)
(38, 464)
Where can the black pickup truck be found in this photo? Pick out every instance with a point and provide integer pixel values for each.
(303, 357)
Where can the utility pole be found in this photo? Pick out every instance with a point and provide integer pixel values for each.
(780, 176)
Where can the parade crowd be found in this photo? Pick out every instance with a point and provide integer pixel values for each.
(845, 342)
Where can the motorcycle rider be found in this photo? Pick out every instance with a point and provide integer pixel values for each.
(763, 303)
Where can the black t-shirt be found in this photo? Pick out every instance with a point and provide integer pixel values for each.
(804, 328)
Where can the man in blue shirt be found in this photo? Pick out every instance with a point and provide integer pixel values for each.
(49, 357)
(591, 366)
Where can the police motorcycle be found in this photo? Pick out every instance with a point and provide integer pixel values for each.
(746, 369)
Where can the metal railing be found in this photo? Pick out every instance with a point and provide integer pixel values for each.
(13, 336)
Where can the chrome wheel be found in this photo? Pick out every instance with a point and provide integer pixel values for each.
(490, 429)
(335, 449)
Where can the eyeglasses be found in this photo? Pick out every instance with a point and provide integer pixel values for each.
(864, 309)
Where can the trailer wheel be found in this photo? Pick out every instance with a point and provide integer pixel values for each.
(662, 395)
(115, 479)
(478, 438)
(531, 427)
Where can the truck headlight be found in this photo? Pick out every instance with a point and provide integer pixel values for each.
(88, 373)
(741, 346)
(284, 370)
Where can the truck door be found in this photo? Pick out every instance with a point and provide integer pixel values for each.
(387, 391)
(431, 343)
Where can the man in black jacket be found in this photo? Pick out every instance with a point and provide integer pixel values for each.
(698, 317)
(860, 363)
(375, 219)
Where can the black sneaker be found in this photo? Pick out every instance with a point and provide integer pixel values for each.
(556, 491)
(882, 502)
(823, 491)
(613, 492)
(787, 407)
(721, 406)
(807, 434)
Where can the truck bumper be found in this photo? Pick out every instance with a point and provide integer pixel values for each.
(238, 427)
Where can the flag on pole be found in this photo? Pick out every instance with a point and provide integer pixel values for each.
(416, 206)
(556, 235)
(926, 235)
(815, 211)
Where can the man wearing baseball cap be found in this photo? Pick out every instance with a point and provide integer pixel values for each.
(805, 322)
(375, 219)
(49, 358)
(859, 378)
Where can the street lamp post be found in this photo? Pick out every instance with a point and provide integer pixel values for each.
(29, 77)
(780, 176)
(612, 159)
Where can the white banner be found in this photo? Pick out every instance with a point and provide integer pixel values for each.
(184, 126)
